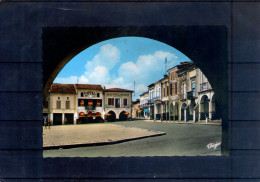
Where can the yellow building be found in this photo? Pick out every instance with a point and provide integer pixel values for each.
(60, 104)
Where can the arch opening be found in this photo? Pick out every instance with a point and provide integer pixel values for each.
(216, 82)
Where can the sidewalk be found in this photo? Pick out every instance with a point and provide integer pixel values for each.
(68, 136)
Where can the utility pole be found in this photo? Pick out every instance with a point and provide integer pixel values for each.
(165, 65)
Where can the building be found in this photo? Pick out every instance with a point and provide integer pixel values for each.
(144, 105)
(151, 92)
(89, 102)
(208, 105)
(118, 103)
(183, 95)
(60, 104)
(165, 97)
(136, 109)
(157, 100)
(173, 96)
(85, 103)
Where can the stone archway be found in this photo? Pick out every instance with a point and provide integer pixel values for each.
(59, 45)
(111, 116)
(204, 107)
(123, 116)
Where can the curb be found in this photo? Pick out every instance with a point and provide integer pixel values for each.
(197, 123)
(99, 143)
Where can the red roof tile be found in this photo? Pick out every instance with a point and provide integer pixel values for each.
(117, 90)
(89, 86)
(62, 88)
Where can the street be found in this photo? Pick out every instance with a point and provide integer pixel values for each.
(180, 140)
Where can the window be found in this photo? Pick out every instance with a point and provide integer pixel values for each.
(110, 101)
(171, 89)
(98, 94)
(117, 102)
(175, 88)
(81, 94)
(67, 104)
(68, 98)
(193, 88)
(167, 90)
(125, 102)
(58, 104)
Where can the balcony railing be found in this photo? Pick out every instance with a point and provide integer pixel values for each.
(204, 86)
(157, 99)
(144, 105)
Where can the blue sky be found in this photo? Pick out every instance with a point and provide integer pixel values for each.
(121, 61)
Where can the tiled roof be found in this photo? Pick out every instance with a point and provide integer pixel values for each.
(62, 88)
(89, 86)
(117, 90)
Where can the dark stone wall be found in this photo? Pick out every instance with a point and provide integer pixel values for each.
(38, 38)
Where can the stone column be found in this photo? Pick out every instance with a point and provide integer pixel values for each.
(155, 111)
(210, 110)
(75, 118)
(194, 115)
(200, 105)
(185, 115)
(62, 118)
(51, 118)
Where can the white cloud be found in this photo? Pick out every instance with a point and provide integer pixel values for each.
(100, 75)
(148, 68)
(108, 57)
(72, 80)
(145, 70)
(141, 88)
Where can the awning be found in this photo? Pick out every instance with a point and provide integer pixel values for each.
(97, 114)
(196, 106)
(146, 110)
(90, 114)
(90, 102)
(81, 114)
